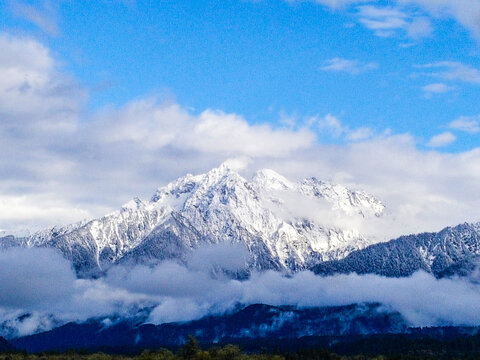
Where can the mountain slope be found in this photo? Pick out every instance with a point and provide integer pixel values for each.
(283, 225)
(5, 345)
(452, 251)
(253, 322)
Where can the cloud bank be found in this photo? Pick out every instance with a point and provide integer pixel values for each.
(181, 293)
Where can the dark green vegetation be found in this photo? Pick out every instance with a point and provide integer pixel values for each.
(4, 345)
(253, 324)
(382, 347)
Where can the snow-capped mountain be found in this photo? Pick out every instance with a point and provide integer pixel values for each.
(284, 225)
(452, 251)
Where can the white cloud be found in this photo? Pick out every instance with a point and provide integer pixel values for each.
(43, 16)
(215, 131)
(441, 140)
(437, 88)
(24, 212)
(30, 77)
(419, 27)
(469, 124)
(349, 66)
(358, 134)
(389, 20)
(152, 126)
(412, 17)
(382, 19)
(332, 125)
(453, 71)
(336, 4)
(465, 12)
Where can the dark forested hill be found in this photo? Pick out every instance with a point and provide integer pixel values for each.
(4, 345)
(452, 251)
(255, 322)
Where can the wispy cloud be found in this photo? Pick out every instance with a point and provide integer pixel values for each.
(412, 17)
(419, 27)
(350, 66)
(465, 12)
(388, 21)
(359, 134)
(334, 127)
(43, 16)
(384, 21)
(441, 140)
(469, 124)
(436, 88)
(336, 4)
(453, 71)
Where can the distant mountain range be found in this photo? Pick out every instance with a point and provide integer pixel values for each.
(279, 223)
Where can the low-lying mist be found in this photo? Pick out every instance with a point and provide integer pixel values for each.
(39, 290)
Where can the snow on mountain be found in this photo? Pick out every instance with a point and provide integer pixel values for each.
(452, 251)
(284, 225)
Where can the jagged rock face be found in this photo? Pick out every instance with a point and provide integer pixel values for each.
(452, 251)
(279, 222)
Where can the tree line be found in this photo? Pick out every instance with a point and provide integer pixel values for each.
(191, 350)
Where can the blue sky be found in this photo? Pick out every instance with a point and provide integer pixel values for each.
(264, 59)
(104, 100)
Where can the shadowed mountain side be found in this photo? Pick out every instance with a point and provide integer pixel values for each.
(252, 322)
(5, 345)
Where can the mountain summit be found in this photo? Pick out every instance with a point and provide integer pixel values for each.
(284, 225)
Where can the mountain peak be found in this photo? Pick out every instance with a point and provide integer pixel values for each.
(277, 220)
(234, 164)
(133, 204)
(269, 179)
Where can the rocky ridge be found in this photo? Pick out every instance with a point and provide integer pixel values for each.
(284, 225)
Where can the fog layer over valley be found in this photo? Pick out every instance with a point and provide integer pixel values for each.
(30, 301)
